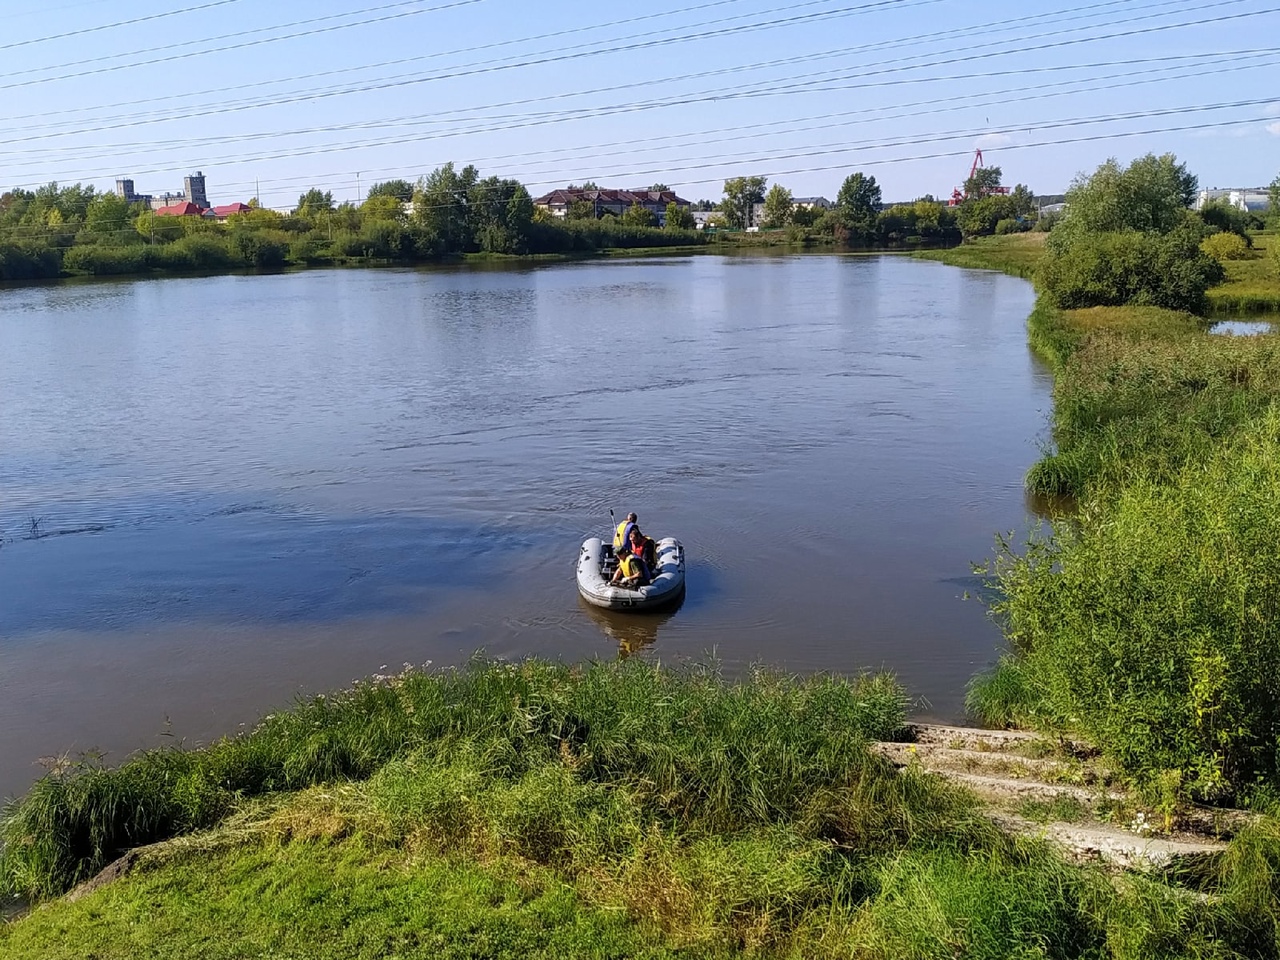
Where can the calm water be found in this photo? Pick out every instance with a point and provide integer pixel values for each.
(218, 493)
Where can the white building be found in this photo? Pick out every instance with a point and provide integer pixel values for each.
(1247, 199)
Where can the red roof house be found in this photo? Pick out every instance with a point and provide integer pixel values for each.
(227, 209)
(187, 209)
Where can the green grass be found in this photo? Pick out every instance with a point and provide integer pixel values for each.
(1252, 284)
(324, 900)
(1017, 253)
(618, 811)
(722, 753)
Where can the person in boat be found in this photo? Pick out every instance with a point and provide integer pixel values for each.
(622, 536)
(643, 547)
(631, 573)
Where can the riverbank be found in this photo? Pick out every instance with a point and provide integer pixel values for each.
(611, 809)
(1161, 589)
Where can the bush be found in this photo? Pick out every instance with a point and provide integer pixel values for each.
(1131, 268)
(28, 262)
(1152, 624)
(257, 248)
(198, 251)
(1008, 226)
(1225, 246)
(105, 261)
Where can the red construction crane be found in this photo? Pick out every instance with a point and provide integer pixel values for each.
(958, 196)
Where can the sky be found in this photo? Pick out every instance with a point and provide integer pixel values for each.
(273, 98)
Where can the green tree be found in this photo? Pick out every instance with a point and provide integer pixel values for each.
(638, 216)
(778, 207)
(440, 207)
(382, 207)
(108, 217)
(741, 194)
(581, 210)
(679, 218)
(499, 213)
(1273, 195)
(659, 187)
(1151, 194)
(397, 189)
(858, 204)
(983, 182)
(313, 202)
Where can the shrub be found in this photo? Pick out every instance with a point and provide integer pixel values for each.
(104, 260)
(1131, 268)
(1225, 246)
(28, 262)
(1152, 623)
(260, 249)
(1007, 226)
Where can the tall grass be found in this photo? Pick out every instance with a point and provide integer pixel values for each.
(1131, 406)
(1151, 623)
(722, 754)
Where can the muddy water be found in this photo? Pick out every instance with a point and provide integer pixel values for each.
(218, 493)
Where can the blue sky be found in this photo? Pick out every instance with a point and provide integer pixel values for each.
(684, 92)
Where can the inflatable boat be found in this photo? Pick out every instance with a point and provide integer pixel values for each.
(597, 562)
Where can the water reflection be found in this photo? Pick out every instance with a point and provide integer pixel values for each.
(633, 630)
(1241, 328)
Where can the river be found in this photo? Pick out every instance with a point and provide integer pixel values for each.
(219, 493)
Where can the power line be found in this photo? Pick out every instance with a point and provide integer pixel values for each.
(724, 94)
(895, 64)
(457, 3)
(229, 47)
(944, 105)
(402, 60)
(951, 136)
(118, 23)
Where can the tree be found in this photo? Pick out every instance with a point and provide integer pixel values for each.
(313, 202)
(499, 213)
(1273, 194)
(639, 216)
(440, 206)
(678, 218)
(778, 207)
(108, 215)
(659, 188)
(983, 182)
(1152, 194)
(858, 203)
(741, 194)
(580, 210)
(382, 206)
(401, 190)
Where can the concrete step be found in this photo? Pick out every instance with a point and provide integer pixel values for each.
(1115, 846)
(933, 756)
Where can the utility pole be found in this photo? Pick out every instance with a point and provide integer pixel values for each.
(358, 195)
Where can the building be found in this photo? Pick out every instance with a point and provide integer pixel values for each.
(797, 203)
(184, 209)
(615, 202)
(221, 213)
(1246, 199)
(192, 192)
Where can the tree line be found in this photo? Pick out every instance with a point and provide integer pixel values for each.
(57, 230)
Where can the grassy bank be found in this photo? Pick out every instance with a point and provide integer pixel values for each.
(1253, 283)
(1017, 254)
(610, 810)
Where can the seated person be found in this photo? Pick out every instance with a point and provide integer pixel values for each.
(631, 573)
(644, 548)
(622, 536)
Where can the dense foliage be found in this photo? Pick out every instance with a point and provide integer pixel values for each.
(74, 230)
(1153, 625)
(1128, 238)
